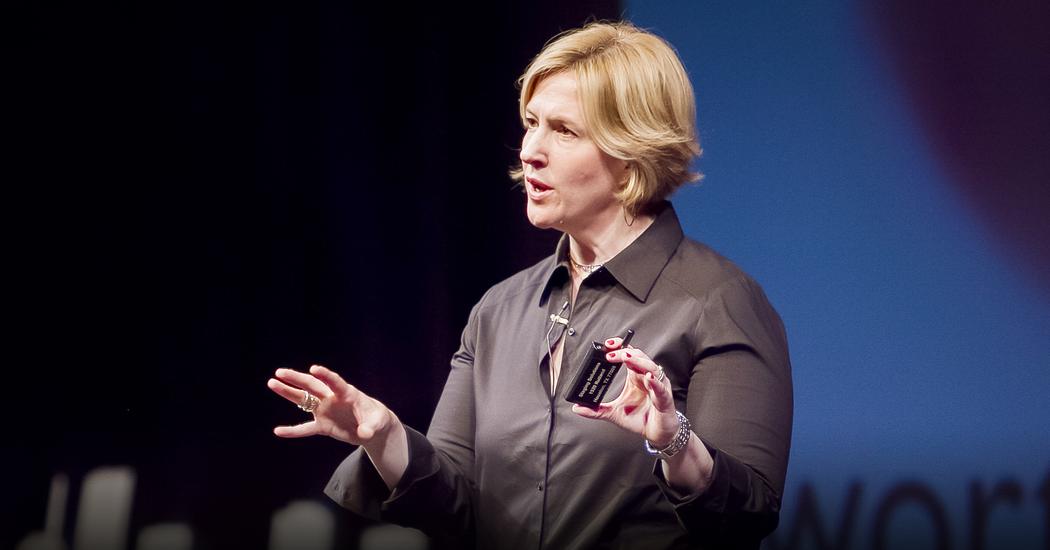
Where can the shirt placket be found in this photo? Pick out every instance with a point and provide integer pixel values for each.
(568, 363)
(555, 333)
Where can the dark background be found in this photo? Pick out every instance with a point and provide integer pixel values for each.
(205, 192)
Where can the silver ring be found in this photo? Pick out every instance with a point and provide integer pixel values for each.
(659, 373)
(309, 402)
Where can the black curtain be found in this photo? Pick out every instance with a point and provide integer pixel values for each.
(201, 193)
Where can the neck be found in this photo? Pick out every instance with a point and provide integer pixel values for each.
(599, 243)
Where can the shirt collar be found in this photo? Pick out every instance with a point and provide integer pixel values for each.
(635, 267)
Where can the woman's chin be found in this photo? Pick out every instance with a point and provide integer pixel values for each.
(542, 224)
(540, 218)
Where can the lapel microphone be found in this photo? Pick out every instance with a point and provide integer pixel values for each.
(556, 319)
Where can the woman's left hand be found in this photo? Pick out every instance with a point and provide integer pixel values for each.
(646, 404)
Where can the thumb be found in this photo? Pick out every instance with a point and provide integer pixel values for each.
(365, 431)
(588, 412)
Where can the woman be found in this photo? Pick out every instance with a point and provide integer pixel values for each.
(509, 463)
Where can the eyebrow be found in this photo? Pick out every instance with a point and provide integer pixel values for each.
(556, 118)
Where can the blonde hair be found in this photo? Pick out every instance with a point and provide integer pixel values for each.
(637, 101)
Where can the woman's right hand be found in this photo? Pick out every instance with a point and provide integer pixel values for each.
(343, 412)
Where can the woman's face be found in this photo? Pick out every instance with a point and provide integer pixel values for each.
(569, 181)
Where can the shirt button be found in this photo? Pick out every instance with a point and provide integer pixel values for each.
(572, 331)
(539, 487)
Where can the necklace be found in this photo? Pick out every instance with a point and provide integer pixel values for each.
(586, 268)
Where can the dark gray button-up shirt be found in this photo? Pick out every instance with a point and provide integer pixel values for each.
(505, 465)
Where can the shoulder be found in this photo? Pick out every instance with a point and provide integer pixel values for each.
(732, 306)
(522, 286)
(700, 271)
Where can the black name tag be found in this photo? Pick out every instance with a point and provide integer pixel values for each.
(592, 379)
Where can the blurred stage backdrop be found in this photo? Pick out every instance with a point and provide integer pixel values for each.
(201, 193)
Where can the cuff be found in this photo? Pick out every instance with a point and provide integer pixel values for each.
(712, 500)
(422, 463)
(736, 510)
(357, 486)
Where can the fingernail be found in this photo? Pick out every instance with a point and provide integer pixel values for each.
(610, 342)
(627, 354)
(611, 354)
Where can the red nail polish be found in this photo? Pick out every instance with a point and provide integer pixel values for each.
(627, 354)
(611, 354)
(610, 342)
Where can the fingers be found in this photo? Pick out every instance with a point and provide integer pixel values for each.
(615, 343)
(655, 379)
(295, 395)
(635, 359)
(305, 429)
(659, 392)
(334, 382)
(303, 381)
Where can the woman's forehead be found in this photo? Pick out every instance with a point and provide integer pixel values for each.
(556, 96)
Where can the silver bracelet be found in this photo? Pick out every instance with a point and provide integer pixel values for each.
(681, 439)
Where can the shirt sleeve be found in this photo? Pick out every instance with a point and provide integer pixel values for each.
(740, 404)
(436, 492)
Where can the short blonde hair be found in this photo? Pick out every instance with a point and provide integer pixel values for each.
(637, 101)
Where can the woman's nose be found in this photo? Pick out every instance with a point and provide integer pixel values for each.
(532, 149)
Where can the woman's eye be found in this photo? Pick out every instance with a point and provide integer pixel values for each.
(565, 131)
(530, 123)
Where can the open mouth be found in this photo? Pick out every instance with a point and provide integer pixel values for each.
(536, 188)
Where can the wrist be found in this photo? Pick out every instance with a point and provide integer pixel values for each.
(390, 429)
(667, 441)
(668, 449)
(668, 432)
(388, 451)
